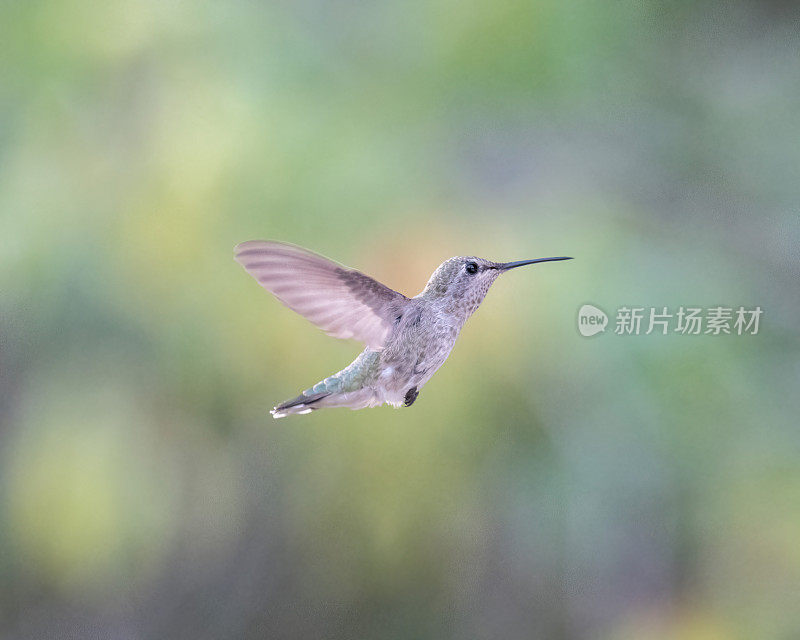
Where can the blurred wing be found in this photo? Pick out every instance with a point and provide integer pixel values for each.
(343, 302)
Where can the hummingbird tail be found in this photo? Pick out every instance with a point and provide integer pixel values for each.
(301, 404)
(356, 399)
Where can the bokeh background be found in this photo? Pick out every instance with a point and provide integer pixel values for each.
(544, 485)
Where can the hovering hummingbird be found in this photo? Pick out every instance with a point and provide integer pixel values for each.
(407, 339)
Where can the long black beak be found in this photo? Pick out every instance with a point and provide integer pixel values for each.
(505, 266)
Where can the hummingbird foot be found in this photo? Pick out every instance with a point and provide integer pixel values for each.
(411, 395)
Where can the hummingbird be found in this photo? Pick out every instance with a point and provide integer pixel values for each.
(406, 339)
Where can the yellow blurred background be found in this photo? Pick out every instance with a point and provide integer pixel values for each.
(544, 485)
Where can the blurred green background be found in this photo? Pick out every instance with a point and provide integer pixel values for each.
(544, 485)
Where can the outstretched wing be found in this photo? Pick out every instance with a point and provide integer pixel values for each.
(343, 302)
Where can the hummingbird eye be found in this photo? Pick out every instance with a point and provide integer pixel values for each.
(471, 268)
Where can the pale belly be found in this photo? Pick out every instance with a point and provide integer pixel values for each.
(410, 359)
(413, 370)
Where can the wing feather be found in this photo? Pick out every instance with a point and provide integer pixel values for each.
(343, 302)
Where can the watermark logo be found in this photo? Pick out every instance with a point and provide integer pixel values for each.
(683, 320)
(591, 320)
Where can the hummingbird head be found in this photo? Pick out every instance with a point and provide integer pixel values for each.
(461, 283)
